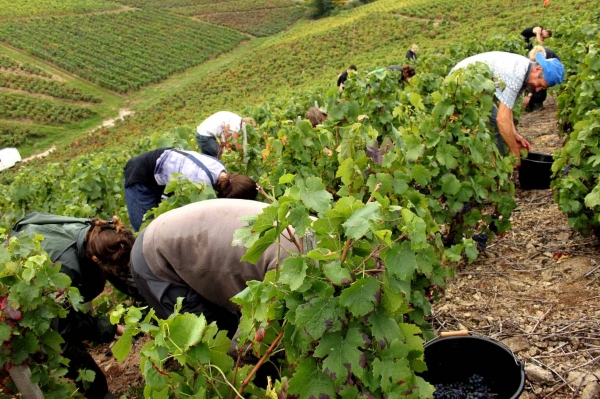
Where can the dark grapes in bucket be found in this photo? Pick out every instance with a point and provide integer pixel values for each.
(474, 388)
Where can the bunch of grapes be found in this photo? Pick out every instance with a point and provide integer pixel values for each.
(566, 170)
(474, 388)
(481, 240)
(466, 208)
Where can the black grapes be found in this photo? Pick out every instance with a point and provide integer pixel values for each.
(474, 388)
(481, 240)
(466, 208)
(566, 170)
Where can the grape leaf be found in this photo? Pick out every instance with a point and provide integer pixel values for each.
(337, 274)
(311, 383)
(314, 195)
(360, 298)
(319, 315)
(400, 260)
(339, 352)
(293, 272)
(359, 223)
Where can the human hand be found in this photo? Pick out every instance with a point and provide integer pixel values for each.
(522, 142)
(526, 101)
(120, 329)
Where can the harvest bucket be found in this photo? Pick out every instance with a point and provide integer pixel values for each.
(456, 359)
(535, 172)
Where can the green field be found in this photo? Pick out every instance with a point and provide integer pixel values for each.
(256, 17)
(121, 51)
(38, 8)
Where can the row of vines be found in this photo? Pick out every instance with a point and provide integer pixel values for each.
(389, 191)
(10, 64)
(12, 135)
(43, 86)
(41, 8)
(20, 107)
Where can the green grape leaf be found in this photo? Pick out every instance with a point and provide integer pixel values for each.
(309, 382)
(359, 223)
(320, 315)
(287, 178)
(339, 352)
(337, 274)
(123, 346)
(186, 329)
(362, 296)
(384, 328)
(314, 195)
(400, 260)
(293, 272)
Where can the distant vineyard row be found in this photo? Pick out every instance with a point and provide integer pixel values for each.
(43, 86)
(256, 22)
(18, 9)
(12, 65)
(121, 51)
(14, 106)
(14, 136)
(256, 17)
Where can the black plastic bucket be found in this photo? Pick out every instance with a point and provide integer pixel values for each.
(455, 359)
(535, 172)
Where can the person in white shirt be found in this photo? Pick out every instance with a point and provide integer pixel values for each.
(224, 126)
(517, 73)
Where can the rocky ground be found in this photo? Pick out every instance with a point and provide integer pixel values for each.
(537, 290)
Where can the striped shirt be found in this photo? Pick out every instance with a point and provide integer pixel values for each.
(179, 161)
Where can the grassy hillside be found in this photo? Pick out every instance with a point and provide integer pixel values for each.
(312, 53)
(256, 17)
(27, 9)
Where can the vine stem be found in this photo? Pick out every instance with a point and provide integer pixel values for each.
(260, 362)
(239, 394)
(292, 235)
(349, 241)
(235, 370)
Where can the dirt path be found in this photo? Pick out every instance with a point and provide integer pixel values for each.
(535, 289)
(123, 112)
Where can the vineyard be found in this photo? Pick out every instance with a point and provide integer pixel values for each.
(42, 86)
(398, 244)
(17, 106)
(122, 51)
(26, 9)
(9, 64)
(258, 18)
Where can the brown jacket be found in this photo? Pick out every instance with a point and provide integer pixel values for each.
(192, 245)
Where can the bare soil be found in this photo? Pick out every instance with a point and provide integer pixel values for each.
(537, 290)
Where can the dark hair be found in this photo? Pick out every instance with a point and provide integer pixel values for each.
(353, 67)
(315, 116)
(408, 72)
(235, 186)
(111, 242)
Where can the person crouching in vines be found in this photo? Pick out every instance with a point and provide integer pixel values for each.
(147, 175)
(222, 125)
(210, 271)
(90, 252)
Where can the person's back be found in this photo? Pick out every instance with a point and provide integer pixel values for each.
(509, 68)
(201, 253)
